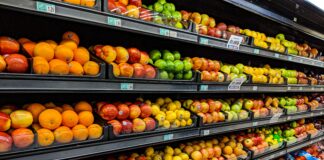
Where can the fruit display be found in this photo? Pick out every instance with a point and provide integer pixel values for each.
(144, 116)
(259, 109)
(233, 72)
(313, 151)
(317, 101)
(161, 12)
(171, 66)
(217, 111)
(46, 125)
(86, 3)
(264, 75)
(295, 131)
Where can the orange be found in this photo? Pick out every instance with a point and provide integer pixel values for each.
(63, 134)
(95, 131)
(50, 119)
(3, 64)
(52, 43)
(91, 68)
(35, 109)
(45, 137)
(64, 53)
(81, 55)
(86, 118)
(116, 70)
(71, 36)
(58, 109)
(66, 107)
(23, 40)
(80, 132)
(45, 50)
(29, 47)
(75, 68)
(88, 3)
(40, 65)
(82, 106)
(70, 118)
(70, 44)
(59, 67)
(227, 150)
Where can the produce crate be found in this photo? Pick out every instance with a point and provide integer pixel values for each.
(226, 82)
(97, 5)
(267, 49)
(269, 116)
(268, 150)
(248, 156)
(298, 111)
(299, 140)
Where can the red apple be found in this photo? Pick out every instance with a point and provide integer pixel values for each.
(211, 31)
(111, 6)
(127, 126)
(139, 71)
(137, 3)
(150, 123)
(218, 105)
(212, 105)
(124, 2)
(144, 58)
(123, 112)
(218, 33)
(5, 121)
(202, 30)
(126, 70)
(145, 14)
(146, 110)
(5, 142)
(211, 65)
(222, 26)
(16, 63)
(108, 112)
(134, 55)
(205, 76)
(117, 126)
(150, 72)
(185, 15)
(248, 143)
(121, 8)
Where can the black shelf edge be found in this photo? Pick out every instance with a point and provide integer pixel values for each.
(98, 18)
(274, 17)
(309, 142)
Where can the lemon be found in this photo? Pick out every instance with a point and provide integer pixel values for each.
(166, 124)
(180, 114)
(186, 115)
(164, 109)
(178, 104)
(155, 109)
(167, 100)
(177, 151)
(176, 124)
(159, 101)
(148, 102)
(189, 122)
(169, 150)
(167, 157)
(184, 156)
(157, 157)
(177, 158)
(149, 151)
(163, 113)
(171, 116)
(160, 117)
(183, 123)
(172, 106)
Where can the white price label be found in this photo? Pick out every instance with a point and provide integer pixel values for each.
(312, 88)
(301, 60)
(203, 87)
(312, 114)
(206, 132)
(256, 51)
(276, 55)
(300, 88)
(289, 58)
(289, 117)
(203, 41)
(45, 7)
(114, 21)
(322, 89)
(167, 137)
(312, 62)
(255, 88)
(255, 124)
(234, 42)
(173, 34)
(235, 85)
(288, 88)
(126, 86)
(275, 117)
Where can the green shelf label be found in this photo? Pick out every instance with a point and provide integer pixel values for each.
(289, 58)
(256, 51)
(126, 86)
(45, 7)
(164, 32)
(114, 21)
(167, 137)
(203, 87)
(276, 55)
(203, 41)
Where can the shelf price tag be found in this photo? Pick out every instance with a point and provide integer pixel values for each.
(275, 117)
(203, 87)
(167, 137)
(126, 86)
(164, 32)
(235, 85)
(114, 21)
(289, 117)
(256, 51)
(276, 55)
(312, 114)
(45, 7)
(300, 88)
(301, 60)
(254, 124)
(206, 132)
(203, 41)
(288, 88)
(255, 88)
(289, 58)
(234, 42)
(173, 34)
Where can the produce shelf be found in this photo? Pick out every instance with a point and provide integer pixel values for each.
(98, 18)
(299, 146)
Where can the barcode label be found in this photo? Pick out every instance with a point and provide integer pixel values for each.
(164, 32)
(168, 137)
(203, 87)
(256, 51)
(114, 21)
(45, 7)
(126, 86)
(173, 34)
(206, 132)
(234, 42)
(236, 84)
(203, 41)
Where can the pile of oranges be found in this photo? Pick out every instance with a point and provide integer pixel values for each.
(87, 3)
(64, 58)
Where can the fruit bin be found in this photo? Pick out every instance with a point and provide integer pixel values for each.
(241, 157)
(298, 140)
(157, 78)
(95, 6)
(268, 44)
(268, 116)
(298, 111)
(186, 25)
(224, 82)
(268, 150)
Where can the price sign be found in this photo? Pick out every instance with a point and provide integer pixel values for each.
(288, 88)
(300, 88)
(255, 124)
(167, 137)
(289, 58)
(276, 55)
(235, 85)
(206, 132)
(289, 117)
(234, 42)
(173, 34)
(255, 88)
(114, 21)
(275, 117)
(45, 7)
(256, 51)
(164, 32)
(203, 87)
(126, 86)
(203, 41)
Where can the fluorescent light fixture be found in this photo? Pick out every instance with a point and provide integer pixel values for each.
(317, 3)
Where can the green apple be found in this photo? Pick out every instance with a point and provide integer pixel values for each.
(150, 7)
(167, 55)
(173, 8)
(229, 116)
(162, 1)
(178, 25)
(282, 102)
(187, 75)
(236, 108)
(248, 104)
(176, 15)
(164, 74)
(158, 7)
(226, 69)
(235, 116)
(167, 6)
(240, 67)
(169, 66)
(280, 36)
(243, 114)
(235, 70)
(158, 19)
(179, 75)
(167, 14)
(160, 64)
(177, 55)
(170, 75)
(187, 65)
(155, 55)
(178, 66)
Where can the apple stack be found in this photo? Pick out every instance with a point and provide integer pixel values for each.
(130, 8)
(129, 62)
(234, 71)
(293, 130)
(257, 107)
(256, 142)
(209, 69)
(171, 66)
(127, 117)
(272, 104)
